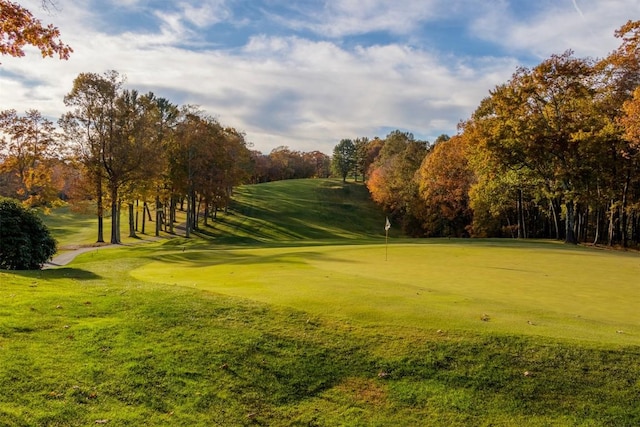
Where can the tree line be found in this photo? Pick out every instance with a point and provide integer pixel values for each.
(116, 147)
(553, 153)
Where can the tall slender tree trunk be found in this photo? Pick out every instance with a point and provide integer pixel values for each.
(519, 213)
(189, 213)
(115, 237)
(597, 232)
(172, 213)
(570, 235)
(158, 215)
(100, 209)
(144, 216)
(556, 218)
(194, 211)
(623, 212)
(132, 214)
(612, 209)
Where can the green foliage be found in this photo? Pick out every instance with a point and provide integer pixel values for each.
(25, 242)
(344, 158)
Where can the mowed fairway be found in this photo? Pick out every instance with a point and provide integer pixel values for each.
(506, 287)
(285, 312)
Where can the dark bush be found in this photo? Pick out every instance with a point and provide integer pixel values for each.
(25, 242)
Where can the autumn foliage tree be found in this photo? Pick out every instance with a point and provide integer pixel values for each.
(391, 178)
(29, 144)
(444, 180)
(19, 28)
(90, 125)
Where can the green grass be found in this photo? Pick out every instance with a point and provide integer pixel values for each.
(255, 329)
(524, 288)
(73, 230)
(295, 211)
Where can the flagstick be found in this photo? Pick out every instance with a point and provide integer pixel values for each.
(387, 226)
(386, 244)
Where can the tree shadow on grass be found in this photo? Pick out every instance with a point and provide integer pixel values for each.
(205, 258)
(69, 273)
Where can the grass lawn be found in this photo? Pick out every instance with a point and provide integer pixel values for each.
(271, 321)
(524, 288)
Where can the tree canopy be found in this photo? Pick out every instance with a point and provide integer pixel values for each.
(553, 152)
(19, 28)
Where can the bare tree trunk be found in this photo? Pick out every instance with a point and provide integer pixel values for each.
(556, 221)
(522, 215)
(158, 215)
(570, 236)
(132, 228)
(144, 216)
(115, 238)
(100, 209)
(611, 220)
(519, 214)
(597, 233)
(623, 212)
(137, 213)
(172, 214)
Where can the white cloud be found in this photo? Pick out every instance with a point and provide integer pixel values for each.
(209, 13)
(556, 27)
(310, 93)
(338, 18)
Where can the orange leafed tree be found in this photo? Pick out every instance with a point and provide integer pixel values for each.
(18, 28)
(444, 179)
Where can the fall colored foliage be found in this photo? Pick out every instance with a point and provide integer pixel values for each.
(19, 28)
(553, 152)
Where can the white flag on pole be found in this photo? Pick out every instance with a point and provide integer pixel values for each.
(387, 225)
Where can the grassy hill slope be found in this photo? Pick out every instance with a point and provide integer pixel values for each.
(294, 210)
(191, 332)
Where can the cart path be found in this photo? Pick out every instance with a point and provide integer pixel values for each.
(67, 256)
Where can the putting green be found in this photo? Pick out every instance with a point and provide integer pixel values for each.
(528, 288)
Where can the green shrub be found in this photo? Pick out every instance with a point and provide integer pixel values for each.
(25, 242)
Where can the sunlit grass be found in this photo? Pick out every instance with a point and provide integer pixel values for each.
(524, 288)
(91, 342)
(290, 312)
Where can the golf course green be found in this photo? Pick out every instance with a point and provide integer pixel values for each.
(524, 288)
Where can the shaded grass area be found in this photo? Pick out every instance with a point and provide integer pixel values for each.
(298, 210)
(292, 212)
(93, 344)
(73, 230)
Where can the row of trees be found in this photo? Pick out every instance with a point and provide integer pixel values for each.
(118, 147)
(553, 152)
(283, 163)
(354, 157)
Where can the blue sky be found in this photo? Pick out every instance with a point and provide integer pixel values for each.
(306, 74)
